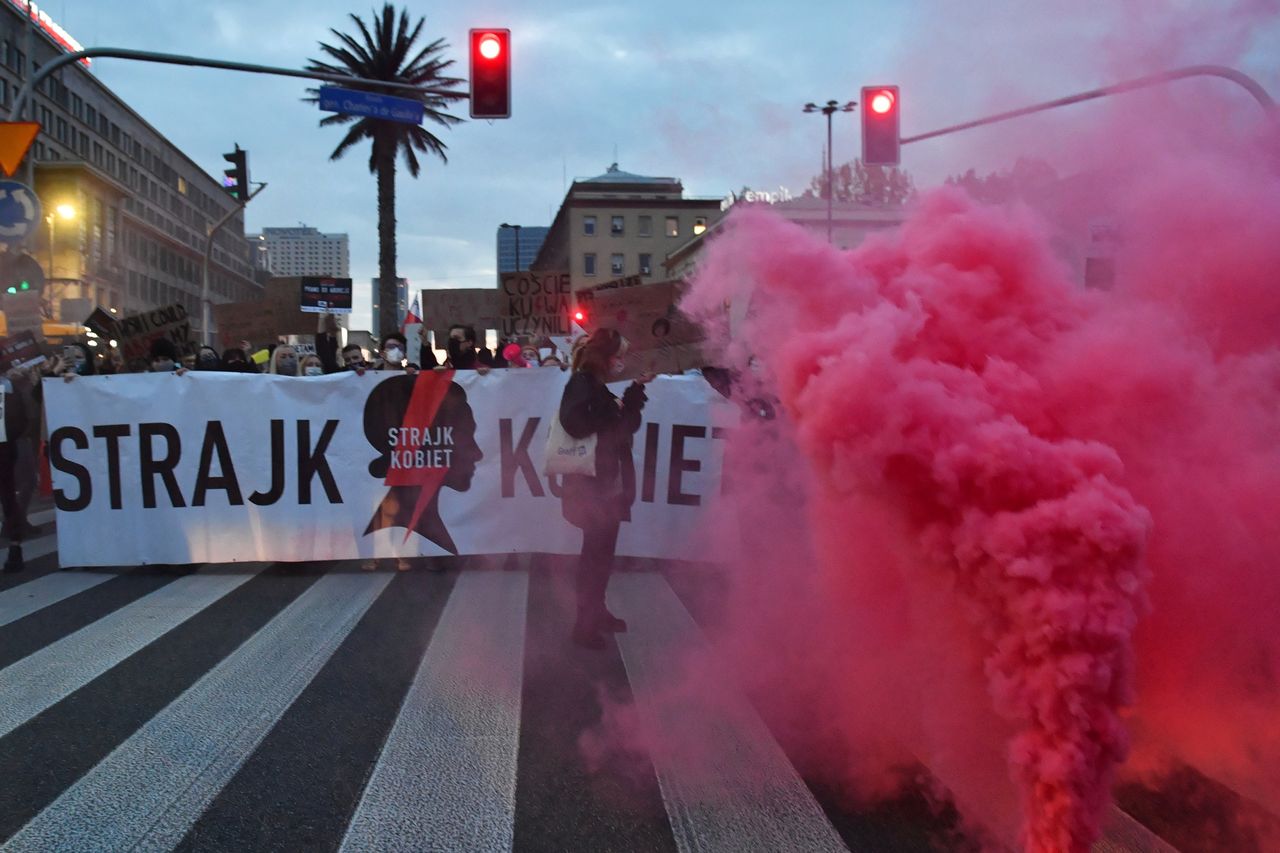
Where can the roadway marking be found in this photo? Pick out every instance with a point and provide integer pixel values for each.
(27, 598)
(48, 676)
(148, 792)
(726, 783)
(446, 777)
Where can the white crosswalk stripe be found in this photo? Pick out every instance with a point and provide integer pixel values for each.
(445, 776)
(147, 793)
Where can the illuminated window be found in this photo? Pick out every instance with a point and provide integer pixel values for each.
(699, 225)
(673, 226)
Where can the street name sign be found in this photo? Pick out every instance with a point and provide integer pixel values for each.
(335, 99)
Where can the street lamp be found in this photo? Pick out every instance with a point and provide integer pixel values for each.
(61, 211)
(517, 230)
(831, 108)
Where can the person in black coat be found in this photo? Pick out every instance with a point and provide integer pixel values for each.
(599, 504)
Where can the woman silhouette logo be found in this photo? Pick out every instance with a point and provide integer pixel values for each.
(424, 432)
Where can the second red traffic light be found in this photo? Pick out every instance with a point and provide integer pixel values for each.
(490, 73)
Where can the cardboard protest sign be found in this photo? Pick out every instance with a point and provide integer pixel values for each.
(661, 338)
(471, 306)
(139, 330)
(535, 303)
(326, 296)
(103, 324)
(20, 350)
(23, 313)
(254, 322)
(288, 318)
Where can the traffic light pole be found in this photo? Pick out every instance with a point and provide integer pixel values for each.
(63, 60)
(206, 307)
(1253, 87)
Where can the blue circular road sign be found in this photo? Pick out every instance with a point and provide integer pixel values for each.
(19, 213)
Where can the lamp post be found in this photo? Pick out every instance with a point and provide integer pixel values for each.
(517, 230)
(830, 109)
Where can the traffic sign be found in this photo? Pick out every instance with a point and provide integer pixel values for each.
(335, 99)
(19, 213)
(15, 138)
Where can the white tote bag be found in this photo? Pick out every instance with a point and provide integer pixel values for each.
(569, 455)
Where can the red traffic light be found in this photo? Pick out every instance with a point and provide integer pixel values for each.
(491, 73)
(881, 112)
(490, 46)
(882, 102)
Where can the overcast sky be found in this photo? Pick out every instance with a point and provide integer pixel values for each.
(708, 92)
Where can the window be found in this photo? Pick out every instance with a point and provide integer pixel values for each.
(589, 263)
(616, 262)
(699, 225)
(646, 264)
(673, 226)
(589, 226)
(616, 225)
(646, 226)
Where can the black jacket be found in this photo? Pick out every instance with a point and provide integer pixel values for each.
(589, 407)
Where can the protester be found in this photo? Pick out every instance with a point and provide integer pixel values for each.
(188, 361)
(16, 528)
(78, 358)
(394, 348)
(353, 357)
(283, 361)
(426, 354)
(234, 360)
(207, 359)
(164, 356)
(311, 366)
(599, 504)
(550, 360)
(327, 343)
(462, 348)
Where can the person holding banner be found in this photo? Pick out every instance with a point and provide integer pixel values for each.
(598, 503)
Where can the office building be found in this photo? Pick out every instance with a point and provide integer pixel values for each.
(126, 211)
(301, 251)
(619, 224)
(518, 245)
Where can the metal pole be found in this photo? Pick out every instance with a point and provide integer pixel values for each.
(1253, 87)
(829, 109)
(65, 59)
(517, 227)
(206, 308)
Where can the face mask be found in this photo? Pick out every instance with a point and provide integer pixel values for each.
(287, 366)
(313, 371)
(395, 355)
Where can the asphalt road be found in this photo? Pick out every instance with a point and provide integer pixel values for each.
(320, 707)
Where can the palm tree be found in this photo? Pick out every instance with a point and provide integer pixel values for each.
(384, 54)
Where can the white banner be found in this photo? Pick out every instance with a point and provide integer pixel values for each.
(214, 467)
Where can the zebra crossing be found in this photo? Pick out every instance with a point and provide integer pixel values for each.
(318, 707)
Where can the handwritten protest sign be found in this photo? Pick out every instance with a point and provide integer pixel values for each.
(535, 303)
(20, 350)
(470, 306)
(661, 338)
(139, 330)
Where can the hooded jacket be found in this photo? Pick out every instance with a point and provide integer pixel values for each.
(588, 407)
